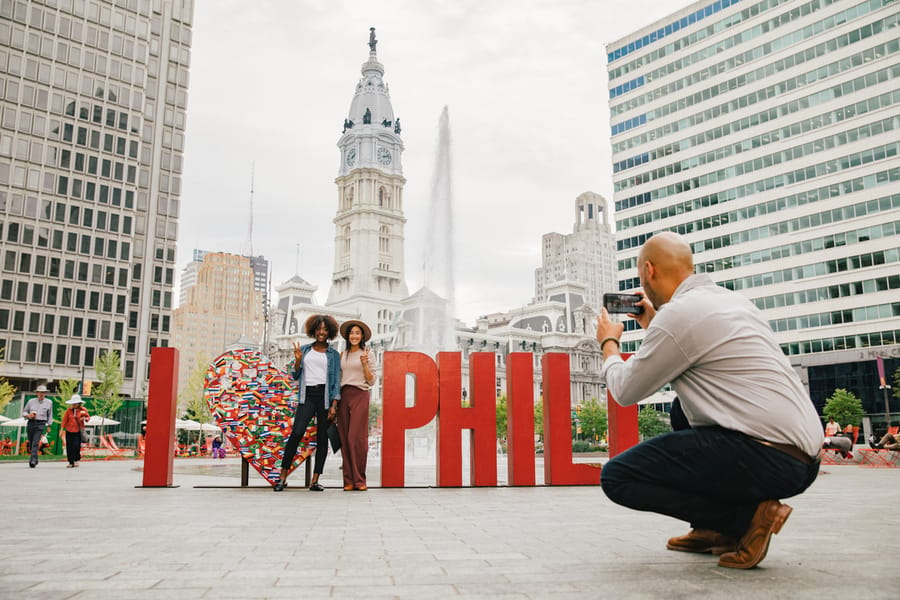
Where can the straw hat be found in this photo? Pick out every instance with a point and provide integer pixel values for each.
(41, 388)
(345, 329)
(75, 399)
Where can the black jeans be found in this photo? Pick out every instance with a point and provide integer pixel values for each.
(73, 447)
(313, 406)
(34, 429)
(711, 477)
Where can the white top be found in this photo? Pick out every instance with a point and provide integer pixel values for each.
(315, 365)
(724, 362)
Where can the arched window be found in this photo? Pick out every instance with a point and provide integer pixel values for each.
(347, 240)
(348, 199)
(384, 239)
(382, 197)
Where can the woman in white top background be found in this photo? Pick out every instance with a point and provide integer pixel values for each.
(353, 413)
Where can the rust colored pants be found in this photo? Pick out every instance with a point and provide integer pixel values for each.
(353, 426)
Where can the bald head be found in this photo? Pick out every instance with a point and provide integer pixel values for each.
(663, 263)
(670, 253)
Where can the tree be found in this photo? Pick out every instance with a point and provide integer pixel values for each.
(106, 393)
(895, 389)
(593, 419)
(652, 422)
(844, 407)
(7, 390)
(539, 418)
(502, 417)
(374, 414)
(192, 398)
(65, 389)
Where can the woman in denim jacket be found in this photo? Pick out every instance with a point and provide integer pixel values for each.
(317, 367)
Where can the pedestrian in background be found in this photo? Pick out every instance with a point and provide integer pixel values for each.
(73, 422)
(39, 412)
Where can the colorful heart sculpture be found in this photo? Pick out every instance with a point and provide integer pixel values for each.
(254, 402)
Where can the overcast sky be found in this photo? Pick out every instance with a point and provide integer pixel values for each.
(525, 83)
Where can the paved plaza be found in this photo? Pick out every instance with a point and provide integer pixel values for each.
(90, 533)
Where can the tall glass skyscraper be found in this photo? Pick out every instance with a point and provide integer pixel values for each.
(766, 132)
(92, 117)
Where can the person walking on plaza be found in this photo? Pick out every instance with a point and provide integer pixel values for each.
(317, 368)
(752, 435)
(73, 422)
(39, 412)
(353, 413)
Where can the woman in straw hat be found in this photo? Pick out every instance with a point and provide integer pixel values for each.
(73, 422)
(317, 367)
(353, 413)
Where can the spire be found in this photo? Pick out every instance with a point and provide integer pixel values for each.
(371, 103)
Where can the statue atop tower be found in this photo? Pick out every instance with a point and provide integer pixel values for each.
(372, 41)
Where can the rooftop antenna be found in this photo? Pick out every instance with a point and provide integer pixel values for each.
(297, 265)
(250, 231)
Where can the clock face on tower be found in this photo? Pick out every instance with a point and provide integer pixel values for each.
(351, 157)
(384, 156)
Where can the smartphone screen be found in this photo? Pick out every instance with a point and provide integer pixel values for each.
(622, 304)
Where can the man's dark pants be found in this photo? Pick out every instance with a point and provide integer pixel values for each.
(34, 430)
(711, 477)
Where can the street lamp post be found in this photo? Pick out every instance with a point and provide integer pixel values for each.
(884, 387)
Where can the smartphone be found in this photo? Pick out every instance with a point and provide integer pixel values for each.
(622, 304)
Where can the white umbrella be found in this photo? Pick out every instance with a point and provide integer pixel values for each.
(4, 419)
(98, 420)
(659, 398)
(187, 424)
(210, 427)
(18, 423)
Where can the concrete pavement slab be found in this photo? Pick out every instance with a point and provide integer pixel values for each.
(90, 533)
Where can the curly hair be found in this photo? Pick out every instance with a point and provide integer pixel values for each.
(315, 321)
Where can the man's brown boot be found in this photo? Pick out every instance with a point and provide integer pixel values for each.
(704, 541)
(768, 519)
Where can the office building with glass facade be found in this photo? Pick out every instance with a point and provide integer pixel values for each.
(766, 132)
(92, 118)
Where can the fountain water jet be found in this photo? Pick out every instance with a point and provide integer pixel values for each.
(427, 320)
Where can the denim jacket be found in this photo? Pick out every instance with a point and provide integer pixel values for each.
(332, 376)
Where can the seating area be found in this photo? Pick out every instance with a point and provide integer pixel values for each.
(833, 456)
(7, 447)
(889, 459)
(881, 458)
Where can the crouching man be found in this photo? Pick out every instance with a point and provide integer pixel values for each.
(747, 434)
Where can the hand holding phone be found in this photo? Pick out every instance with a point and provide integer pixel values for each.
(624, 304)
